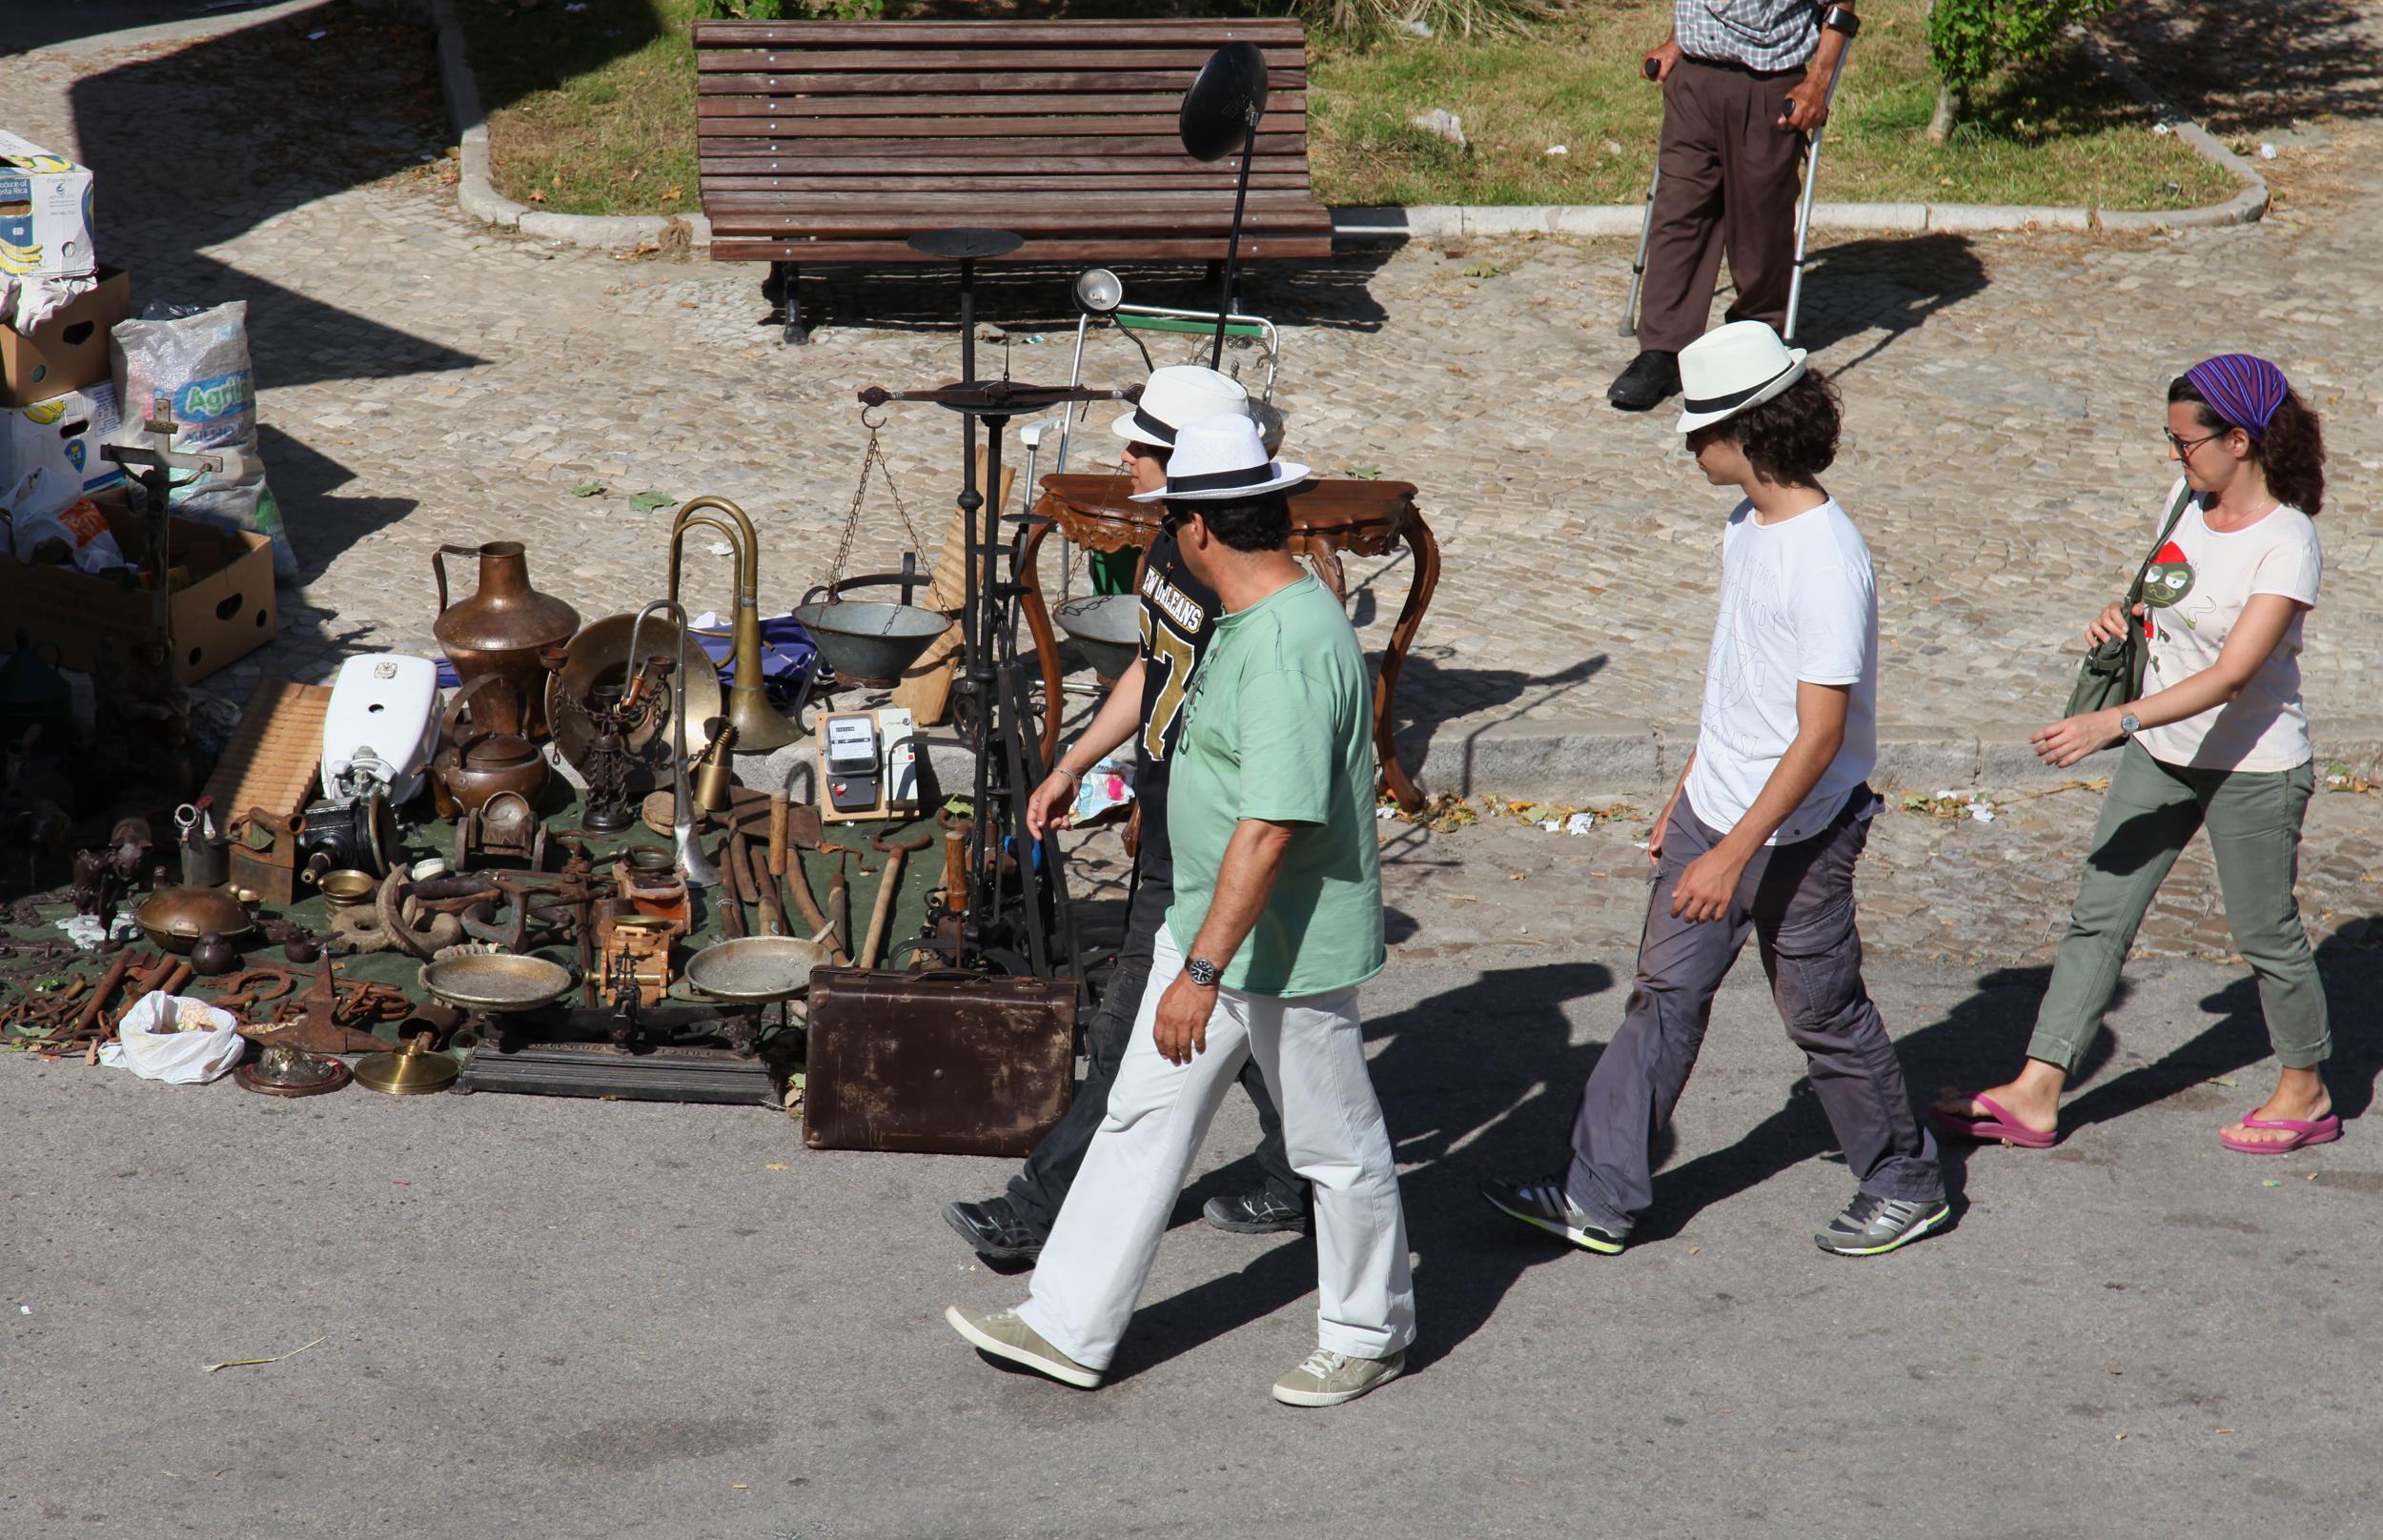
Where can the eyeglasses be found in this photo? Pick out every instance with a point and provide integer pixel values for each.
(2184, 447)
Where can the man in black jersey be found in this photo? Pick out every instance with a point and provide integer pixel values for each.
(1146, 705)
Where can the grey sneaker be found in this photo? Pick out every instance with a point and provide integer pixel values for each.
(1256, 1213)
(1005, 1336)
(1872, 1225)
(1328, 1378)
(1546, 1204)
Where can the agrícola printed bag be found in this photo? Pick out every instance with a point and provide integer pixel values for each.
(2111, 674)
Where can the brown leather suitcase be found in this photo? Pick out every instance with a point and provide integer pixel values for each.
(943, 1062)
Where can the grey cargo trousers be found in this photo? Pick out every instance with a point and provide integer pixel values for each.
(1797, 901)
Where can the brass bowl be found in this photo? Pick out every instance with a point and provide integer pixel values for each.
(175, 917)
(754, 969)
(346, 889)
(495, 981)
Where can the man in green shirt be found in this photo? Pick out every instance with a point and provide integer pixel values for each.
(1277, 920)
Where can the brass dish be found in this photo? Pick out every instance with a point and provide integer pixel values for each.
(412, 1071)
(600, 655)
(754, 969)
(496, 982)
(175, 917)
(284, 1070)
(348, 888)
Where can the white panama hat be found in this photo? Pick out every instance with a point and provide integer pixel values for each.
(1220, 459)
(1177, 395)
(1732, 368)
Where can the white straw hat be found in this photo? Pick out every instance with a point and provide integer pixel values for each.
(1222, 458)
(1732, 368)
(1177, 395)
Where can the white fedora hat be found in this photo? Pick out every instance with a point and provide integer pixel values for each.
(1221, 458)
(1177, 395)
(1732, 368)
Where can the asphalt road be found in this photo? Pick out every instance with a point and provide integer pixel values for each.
(565, 1319)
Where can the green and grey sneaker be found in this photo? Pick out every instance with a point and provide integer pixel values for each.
(1872, 1225)
(1005, 1336)
(1545, 1204)
(1328, 1378)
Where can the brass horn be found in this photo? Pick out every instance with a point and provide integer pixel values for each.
(760, 726)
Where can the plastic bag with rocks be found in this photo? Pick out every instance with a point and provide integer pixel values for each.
(199, 359)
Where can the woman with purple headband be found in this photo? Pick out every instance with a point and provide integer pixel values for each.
(2218, 741)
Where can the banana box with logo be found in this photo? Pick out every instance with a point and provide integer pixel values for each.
(49, 451)
(45, 212)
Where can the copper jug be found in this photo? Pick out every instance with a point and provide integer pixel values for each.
(499, 630)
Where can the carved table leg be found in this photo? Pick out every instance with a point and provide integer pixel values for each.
(1426, 548)
(1030, 577)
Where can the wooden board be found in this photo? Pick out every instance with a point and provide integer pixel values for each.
(276, 758)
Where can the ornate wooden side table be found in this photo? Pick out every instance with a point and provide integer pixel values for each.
(1368, 517)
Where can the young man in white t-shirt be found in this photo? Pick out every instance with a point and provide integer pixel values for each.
(1762, 835)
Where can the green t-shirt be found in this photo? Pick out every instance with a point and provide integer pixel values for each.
(1277, 728)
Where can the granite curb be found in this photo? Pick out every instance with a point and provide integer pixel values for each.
(480, 198)
(1581, 759)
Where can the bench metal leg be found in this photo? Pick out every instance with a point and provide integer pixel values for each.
(783, 276)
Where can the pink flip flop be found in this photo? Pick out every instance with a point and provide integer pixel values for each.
(2000, 1126)
(2323, 1131)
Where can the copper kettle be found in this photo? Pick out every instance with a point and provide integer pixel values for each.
(474, 765)
(499, 630)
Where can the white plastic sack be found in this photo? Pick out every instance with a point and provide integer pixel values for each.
(82, 529)
(202, 1051)
(199, 360)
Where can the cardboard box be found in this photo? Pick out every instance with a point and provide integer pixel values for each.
(59, 437)
(45, 211)
(69, 351)
(225, 613)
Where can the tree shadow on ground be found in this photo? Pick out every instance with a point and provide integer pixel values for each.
(1479, 1068)
(2244, 72)
(1886, 283)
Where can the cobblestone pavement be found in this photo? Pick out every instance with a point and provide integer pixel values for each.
(427, 380)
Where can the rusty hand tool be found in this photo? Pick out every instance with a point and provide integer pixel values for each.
(956, 832)
(773, 906)
(731, 901)
(840, 904)
(739, 850)
(889, 886)
(799, 882)
(251, 988)
(316, 1025)
(780, 807)
(87, 1019)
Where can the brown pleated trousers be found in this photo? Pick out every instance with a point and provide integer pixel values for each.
(1729, 184)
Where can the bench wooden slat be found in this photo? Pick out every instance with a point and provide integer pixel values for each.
(963, 82)
(1270, 147)
(1054, 253)
(873, 224)
(1183, 63)
(1082, 208)
(1162, 107)
(977, 34)
(1086, 182)
(734, 125)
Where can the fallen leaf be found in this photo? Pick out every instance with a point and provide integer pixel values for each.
(588, 489)
(775, 1166)
(536, 195)
(645, 502)
(2225, 1430)
(2120, 1439)
(672, 195)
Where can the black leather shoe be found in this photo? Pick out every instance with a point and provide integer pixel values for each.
(1256, 1213)
(1651, 378)
(995, 1230)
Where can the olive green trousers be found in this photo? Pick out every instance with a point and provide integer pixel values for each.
(2253, 822)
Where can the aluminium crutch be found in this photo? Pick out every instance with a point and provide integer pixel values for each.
(1646, 231)
(1837, 20)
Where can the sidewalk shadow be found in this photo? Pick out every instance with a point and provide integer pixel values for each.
(1892, 284)
(1484, 1069)
(2302, 59)
(1431, 692)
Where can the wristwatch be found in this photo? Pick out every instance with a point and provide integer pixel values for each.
(2130, 723)
(1201, 971)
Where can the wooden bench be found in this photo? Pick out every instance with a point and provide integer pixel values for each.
(835, 142)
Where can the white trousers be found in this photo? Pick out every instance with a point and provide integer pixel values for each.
(1311, 1051)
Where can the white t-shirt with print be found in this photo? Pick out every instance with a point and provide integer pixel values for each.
(1797, 603)
(2206, 577)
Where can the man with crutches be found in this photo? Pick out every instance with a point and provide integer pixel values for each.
(1746, 87)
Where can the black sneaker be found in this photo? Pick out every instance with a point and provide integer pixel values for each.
(1651, 378)
(1256, 1213)
(995, 1228)
(1545, 1204)
(1872, 1225)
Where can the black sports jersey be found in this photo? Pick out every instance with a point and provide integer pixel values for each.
(1178, 611)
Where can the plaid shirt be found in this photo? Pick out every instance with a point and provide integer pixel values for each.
(1761, 34)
